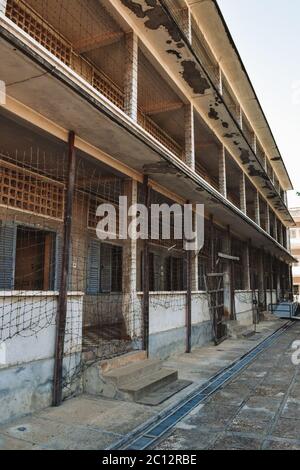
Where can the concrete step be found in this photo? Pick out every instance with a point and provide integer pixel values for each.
(148, 383)
(132, 372)
(158, 396)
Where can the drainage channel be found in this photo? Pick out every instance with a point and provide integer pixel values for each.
(151, 431)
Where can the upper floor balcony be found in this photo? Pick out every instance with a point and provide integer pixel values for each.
(90, 39)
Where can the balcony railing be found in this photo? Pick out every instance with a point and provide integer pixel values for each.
(34, 25)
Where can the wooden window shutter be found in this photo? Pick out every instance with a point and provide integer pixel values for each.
(106, 267)
(8, 238)
(93, 268)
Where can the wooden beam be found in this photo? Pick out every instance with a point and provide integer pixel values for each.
(100, 40)
(63, 291)
(162, 107)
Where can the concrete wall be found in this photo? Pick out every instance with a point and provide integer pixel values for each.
(27, 349)
(243, 307)
(168, 319)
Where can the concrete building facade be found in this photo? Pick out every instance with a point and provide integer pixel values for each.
(148, 100)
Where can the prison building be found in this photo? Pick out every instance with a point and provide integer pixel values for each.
(102, 99)
(295, 248)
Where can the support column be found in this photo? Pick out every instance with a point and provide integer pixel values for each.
(146, 279)
(222, 172)
(268, 228)
(243, 201)
(246, 267)
(275, 228)
(129, 269)
(188, 301)
(220, 81)
(255, 143)
(63, 291)
(261, 278)
(187, 23)
(189, 131)
(241, 118)
(131, 75)
(3, 4)
(257, 208)
(228, 297)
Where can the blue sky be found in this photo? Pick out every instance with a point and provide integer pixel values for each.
(267, 35)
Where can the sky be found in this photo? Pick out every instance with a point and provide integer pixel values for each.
(267, 35)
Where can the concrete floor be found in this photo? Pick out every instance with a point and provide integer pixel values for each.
(259, 409)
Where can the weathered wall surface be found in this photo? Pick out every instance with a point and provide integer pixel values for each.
(26, 357)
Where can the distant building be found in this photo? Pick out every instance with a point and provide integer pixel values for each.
(295, 248)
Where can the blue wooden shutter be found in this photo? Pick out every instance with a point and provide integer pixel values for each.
(106, 267)
(93, 268)
(8, 239)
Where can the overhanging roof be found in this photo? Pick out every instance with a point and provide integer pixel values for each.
(65, 99)
(213, 25)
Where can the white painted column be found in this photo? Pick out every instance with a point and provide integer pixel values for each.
(132, 315)
(243, 200)
(222, 172)
(257, 208)
(194, 261)
(187, 23)
(189, 131)
(228, 307)
(3, 6)
(268, 219)
(255, 143)
(241, 117)
(131, 75)
(220, 81)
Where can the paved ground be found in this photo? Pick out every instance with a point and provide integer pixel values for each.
(260, 408)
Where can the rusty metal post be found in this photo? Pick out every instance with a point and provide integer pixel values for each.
(63, 292)
(146, 279)
(188, 347)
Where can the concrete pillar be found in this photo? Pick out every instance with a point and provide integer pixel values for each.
(131, 75)
(194, 261)
(280, 234)
(189, 129)
(228, 297)
(246, 266)
(220, 81)
(275, 228)
(187, 23)
(261, 278)
(243, 200)
(241, 117)
(268, 219)
(3, 6)
(255, 143)
(222, 172)
(132, 317)
(257, 208)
